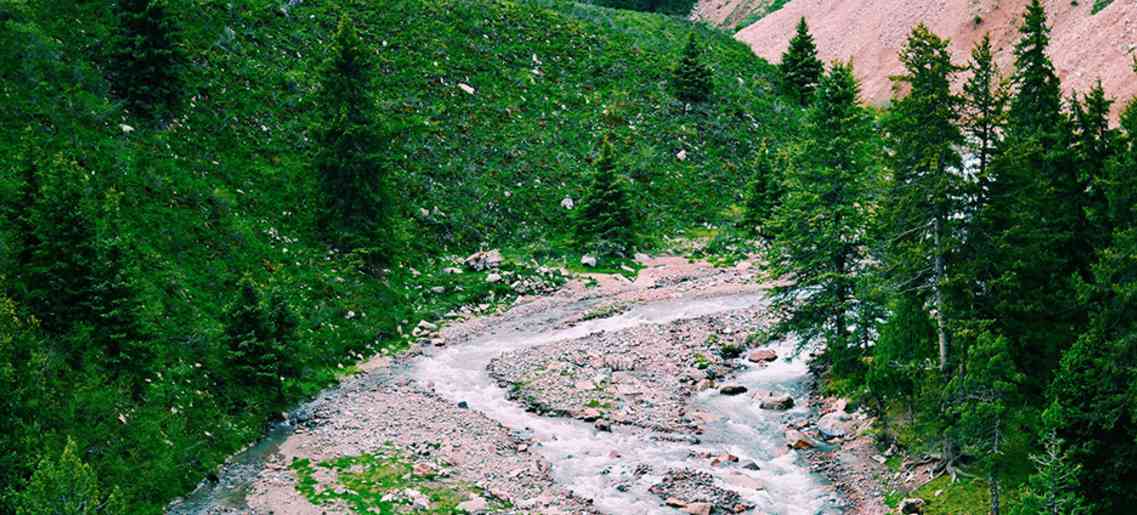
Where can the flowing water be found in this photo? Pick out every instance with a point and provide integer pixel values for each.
(581, 457)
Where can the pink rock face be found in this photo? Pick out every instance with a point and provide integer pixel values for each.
(1084, 46)
(763, 356)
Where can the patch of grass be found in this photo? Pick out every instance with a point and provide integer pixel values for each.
(754, 17)
(378, 482)
(1099, 5)
(605, 311)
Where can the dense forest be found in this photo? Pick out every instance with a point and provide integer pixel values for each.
(211, 210)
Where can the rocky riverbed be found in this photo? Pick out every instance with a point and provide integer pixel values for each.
(609, 396)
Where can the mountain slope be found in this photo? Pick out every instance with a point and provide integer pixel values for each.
(1085, 46)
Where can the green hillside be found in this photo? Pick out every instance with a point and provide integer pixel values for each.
(492, 111)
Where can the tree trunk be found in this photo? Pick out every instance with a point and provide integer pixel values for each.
(938, 294)
(992, 475)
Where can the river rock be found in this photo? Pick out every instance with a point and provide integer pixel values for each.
(697, 508)
(590, 415)
(763, 356)
(589, 261)
(751, 465)
(493, 278)
(912, 505)
(484, 260)
(423, 469)
(776, 402)
(835, 425)
(675, 503)
(732, 389)
(474, 505)
(796, 440)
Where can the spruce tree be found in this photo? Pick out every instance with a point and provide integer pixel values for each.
(691, 78)
(118, 309)
(57, 276)
(146, 61)
(1094, 145)
(604, 221)
(764, 195)
(982, 398)
(801, 70)
(984, 110)
(925, 200)
(822, 221)
(249, 333)
(67, 486)
(1052, 489)
(1037, 104)
(355, 206)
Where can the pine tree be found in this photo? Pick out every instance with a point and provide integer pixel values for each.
(66, 486)
(57, 278)
(118, 309)
(982, 399)
(1028, 232)
(146, 62)
(355, 209)
(925, 200)
(822, 221)
(764, 195)
(691, 78)
(604, 222)
(801, 70)
(1052, 489)
(249, 335)
(984, 110)
(1094, 145)
(1037, 104)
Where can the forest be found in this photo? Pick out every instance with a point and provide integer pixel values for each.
(213, 210)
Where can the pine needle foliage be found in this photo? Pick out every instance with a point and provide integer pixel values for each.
(604, 223)
(691, 78)
(801, 70)
(355, 205)
(67, 486)
(146, 61)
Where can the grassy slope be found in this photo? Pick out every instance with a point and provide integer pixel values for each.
(226, 189)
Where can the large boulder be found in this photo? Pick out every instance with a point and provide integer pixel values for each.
(774, 401)
(484, 260)
(796, 440)
(732, 389)
(763, 356)
(835, 425)
(912, 505)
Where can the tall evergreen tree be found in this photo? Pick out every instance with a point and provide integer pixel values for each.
(67, 486)
(146, 61)
(118, 309)
(1027, 231)
(604, 221)
(1037, 104)
(984, 109)
(691, 78)
(982, 399)
(57, 278)
(355, 206)
(822, 221)
(1094, 145)
(764, 195)
(926, 195)
(1052, 490)
(801, 70)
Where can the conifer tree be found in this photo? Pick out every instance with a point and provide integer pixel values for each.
(691, 78)
(249, 334)
(1094, 146)
(67, 486)
(57, 278)
(985, 103)
(822, 221)
(1036, 108)
(982, 399)
(146, 62)
(1052, 489)
(925, 199)
(118, 309)
(604, 222)
(355, 206)
(801, 70)
(763, 197)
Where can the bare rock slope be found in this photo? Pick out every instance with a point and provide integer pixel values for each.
(1085, 46)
